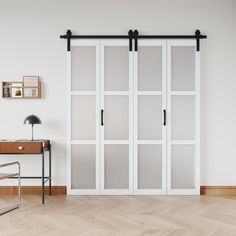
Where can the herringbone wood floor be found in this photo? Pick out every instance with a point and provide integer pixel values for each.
(121, 215)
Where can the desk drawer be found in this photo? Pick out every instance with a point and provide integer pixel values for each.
(21, 147)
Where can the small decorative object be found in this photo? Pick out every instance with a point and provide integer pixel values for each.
(16, 89)
(32, 120)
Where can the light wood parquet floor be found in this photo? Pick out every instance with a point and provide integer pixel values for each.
(121, 215)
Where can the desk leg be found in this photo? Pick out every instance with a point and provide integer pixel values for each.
(43, 177)
(50, 172)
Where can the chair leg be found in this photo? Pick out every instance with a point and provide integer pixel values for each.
(7, 209)
(19, 186)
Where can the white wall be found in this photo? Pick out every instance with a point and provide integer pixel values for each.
(30, 44)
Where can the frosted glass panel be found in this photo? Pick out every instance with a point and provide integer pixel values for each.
(116, 166)
(182, 68)
(150, 68)
(183, 117)
(149, 167)
(116, 114)
(182, 167)
(83, 124)
(83, 68)
(83, 171)
(149, 117)
(116, 68)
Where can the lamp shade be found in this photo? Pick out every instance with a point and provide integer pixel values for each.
(32, 120)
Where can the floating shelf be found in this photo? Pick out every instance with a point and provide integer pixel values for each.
(17, 90)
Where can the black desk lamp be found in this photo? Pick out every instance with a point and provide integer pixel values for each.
(32, 120)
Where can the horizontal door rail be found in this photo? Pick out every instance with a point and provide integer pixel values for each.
(133, 35)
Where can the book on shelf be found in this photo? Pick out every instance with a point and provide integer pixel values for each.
(7, 90)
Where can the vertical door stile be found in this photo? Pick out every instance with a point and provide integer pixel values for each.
(165, 118)
(135, 123)
(98, 117)
(131, 118)
(102, 161)
(168, 99)
(69, 122)
(197, 126)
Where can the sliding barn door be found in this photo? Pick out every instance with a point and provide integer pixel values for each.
(183, 117)
(83, 117)
(117, 117)
(149, 117)
(133, 117)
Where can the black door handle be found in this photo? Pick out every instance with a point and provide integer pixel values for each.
(102, 117)
(164, 113)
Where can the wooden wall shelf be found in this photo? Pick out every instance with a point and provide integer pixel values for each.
(17, 90)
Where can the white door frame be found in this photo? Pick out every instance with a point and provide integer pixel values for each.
(117, 43)
(71, 93)
(162, 191)
(196, 141)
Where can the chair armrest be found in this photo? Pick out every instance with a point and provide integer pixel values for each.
(10, 164)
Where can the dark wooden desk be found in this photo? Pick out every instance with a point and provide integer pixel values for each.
(36, 147)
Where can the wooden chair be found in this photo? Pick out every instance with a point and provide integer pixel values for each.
(9, 175)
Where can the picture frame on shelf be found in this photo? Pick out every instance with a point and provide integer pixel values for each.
(16, 90)
(31, 81)
(31, 84)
